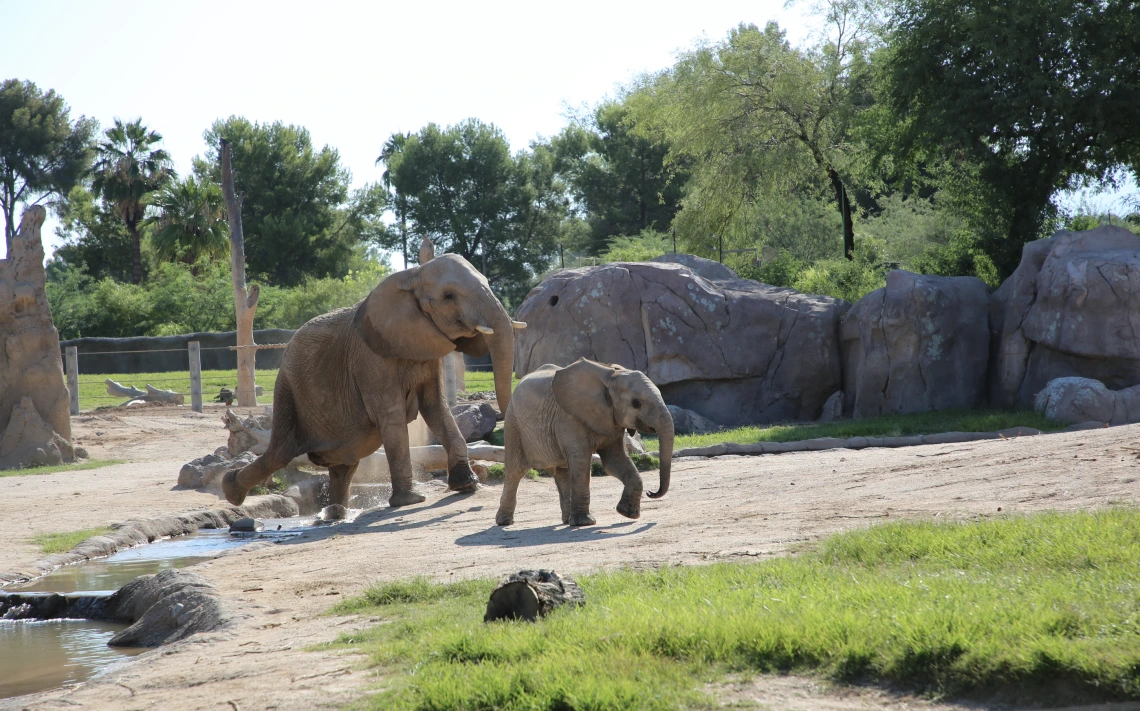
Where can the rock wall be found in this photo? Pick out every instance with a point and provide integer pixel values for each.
(34, 414)
(920, 344)
(1071, 309)
(732, 350)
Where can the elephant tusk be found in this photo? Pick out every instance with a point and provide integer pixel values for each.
(518, 324)
(485, 330)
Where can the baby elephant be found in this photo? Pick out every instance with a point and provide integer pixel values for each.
(559, 417)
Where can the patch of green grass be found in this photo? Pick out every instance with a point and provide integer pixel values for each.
(78, 467)
(1019, 605)
(496, 472)
(482, 381)
(885, 426)
(63, 542)
(93, 389)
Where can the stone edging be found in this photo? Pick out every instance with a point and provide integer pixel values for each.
(137, 532)
(822, 443)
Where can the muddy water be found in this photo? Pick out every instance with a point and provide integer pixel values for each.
(35, 656)
(40, 655)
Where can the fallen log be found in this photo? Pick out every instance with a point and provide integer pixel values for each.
(119, 390)
(170, 397)
(530, 594)
(246, 436)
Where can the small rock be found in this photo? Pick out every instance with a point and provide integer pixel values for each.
(832, 408)
(689, 422)
(80, 453)
(247, 525)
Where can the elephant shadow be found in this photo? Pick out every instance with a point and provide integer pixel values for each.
(501, 537)
(382, 520)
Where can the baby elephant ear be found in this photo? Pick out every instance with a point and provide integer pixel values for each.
(581, 389)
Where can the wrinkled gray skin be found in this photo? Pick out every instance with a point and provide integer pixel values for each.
(352, 380)
(559, 417)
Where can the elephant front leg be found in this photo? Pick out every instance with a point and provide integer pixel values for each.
(340, 479)
(579, 483)
(395, 435)
(618, 465)
(441, 422)
(562, 481)
(515, 466)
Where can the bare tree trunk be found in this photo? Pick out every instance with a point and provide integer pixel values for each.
(845, 210)
(136, 253)
(245, 301)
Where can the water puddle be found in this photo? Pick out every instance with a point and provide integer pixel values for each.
(43, 655)
(40, 655)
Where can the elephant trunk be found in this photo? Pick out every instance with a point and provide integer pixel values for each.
(502, 347)
(664, 427)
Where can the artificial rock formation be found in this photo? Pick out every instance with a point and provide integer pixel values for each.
(920, 344)
(704, 268)
(1077, 400)
(732, 350)
(33, 394)
(1070, 309)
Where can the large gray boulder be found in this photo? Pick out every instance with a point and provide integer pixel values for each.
(1075, 400)
(920, 344)
(704, 268)
(1070, 309)
(732, 350)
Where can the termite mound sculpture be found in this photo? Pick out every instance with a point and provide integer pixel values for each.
(35, 425)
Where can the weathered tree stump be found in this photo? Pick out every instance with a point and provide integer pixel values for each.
(530, 594)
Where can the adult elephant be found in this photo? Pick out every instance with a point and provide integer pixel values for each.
(562, 416)
(352, 380)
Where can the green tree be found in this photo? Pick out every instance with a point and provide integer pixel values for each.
(1023, 98)
(189, 221)
(753, 116)
(299, 217)
(398, 201)
(471, 196)
(95, 240)
(42, 151)
(128, 168)
(618, 178)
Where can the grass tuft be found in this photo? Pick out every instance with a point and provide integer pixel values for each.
(81, 466)
(885, 426)
(1021, 605)
(51, 543)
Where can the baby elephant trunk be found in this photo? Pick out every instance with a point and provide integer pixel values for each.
(664, 427)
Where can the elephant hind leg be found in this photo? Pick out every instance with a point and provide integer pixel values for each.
(236, 483)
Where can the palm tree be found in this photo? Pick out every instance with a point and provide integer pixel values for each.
(393, 147)
(190, 222)
(126, 172)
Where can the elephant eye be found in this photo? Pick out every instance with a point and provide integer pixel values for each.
(448, 296)
(636, 403)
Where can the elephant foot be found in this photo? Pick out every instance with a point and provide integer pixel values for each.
(461, 478)
(582, 520)
(405, 498)
(232, 490)
(333, 512)
(504, 519)
(629, 509)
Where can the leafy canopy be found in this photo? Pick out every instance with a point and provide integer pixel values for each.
(42, 152)
(466, 192)
(298, 215)
(1025, 97)
(128, 168)
(189, 221)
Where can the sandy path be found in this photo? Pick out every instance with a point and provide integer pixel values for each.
(726, 509)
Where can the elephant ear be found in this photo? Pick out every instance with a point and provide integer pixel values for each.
(582, 389)
(391, 323)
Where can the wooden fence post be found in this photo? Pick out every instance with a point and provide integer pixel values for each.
(194, 349)
(73, 378)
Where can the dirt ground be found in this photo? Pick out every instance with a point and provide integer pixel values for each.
(732, 508)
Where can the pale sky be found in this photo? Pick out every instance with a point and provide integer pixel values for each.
(351, 72)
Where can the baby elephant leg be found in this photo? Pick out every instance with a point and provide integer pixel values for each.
(618, 465)
(579, 481)
(562, 481)
(515, 467)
